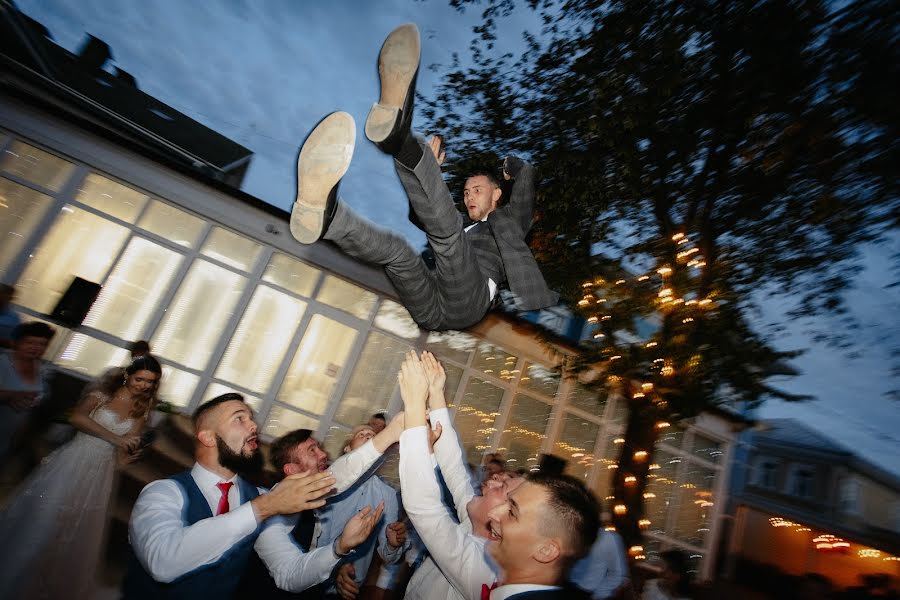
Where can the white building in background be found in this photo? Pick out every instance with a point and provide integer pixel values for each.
(230, 302)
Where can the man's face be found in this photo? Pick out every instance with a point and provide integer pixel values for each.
(235, 432)
(494, 492)
(480, 197)
(377, 424)
(31, 347)
(513, 526)
(360, 437)
(310, 457)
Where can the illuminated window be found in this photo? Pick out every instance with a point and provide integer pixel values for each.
(662, 489)
(35, 165)
(347, 297)
(176, 386)
(231, 249)
(525, 430)
(707, 448)
(576, 445)
(282, 420)
(540, 379)
(112, 198)
(79, 244)
(291, 274)
(261, 339)
(177, 226)
(319, 362)
(197, 315)
(91, 356)
(21, 209)
(476, 416)
(133, 290)
(696, 504)
(374, 379)
(217, 389)
(590, 400)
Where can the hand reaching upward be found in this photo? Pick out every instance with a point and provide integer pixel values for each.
(413, 390)
(434, 371)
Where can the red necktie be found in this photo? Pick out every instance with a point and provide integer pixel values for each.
(224, 507)
(486, 590)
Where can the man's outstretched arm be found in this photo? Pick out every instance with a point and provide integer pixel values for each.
(521, 198)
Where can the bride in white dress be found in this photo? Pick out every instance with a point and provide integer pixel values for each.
(53, 528)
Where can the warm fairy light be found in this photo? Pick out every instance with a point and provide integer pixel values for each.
(638, 395)
(613, 379)
(583, 302)
(612, 466)
(616, 357)
(643, 278)
(631, 479)
(651, 344)
(620, 281)
(689, 302)
(639, 557)
(649, 495)
(687, 320)
(606, 317)
(892, 558)
(869, 553)
(592, 319)
(677, 237)
(599, 336)
(647, 387)
(609, 528)
(640, 455)
(665, 292)
(587, 284)
(644, 523)
(610, 498)
(619, 441)
(620, 509)
(663, 425)
(654, 467)
(705, 302)
(664, 270)
(636, 550)
(667, 371)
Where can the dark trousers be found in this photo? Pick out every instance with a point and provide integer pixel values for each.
(455, 294)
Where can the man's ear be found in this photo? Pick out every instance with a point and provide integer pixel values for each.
(548, 551)
(207, 437)
(495, 196)
(290, 469)
(347, 449)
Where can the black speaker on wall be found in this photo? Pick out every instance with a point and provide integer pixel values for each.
(74, 305)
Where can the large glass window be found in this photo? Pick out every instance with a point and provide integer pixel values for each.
(21, 210)
(476, 416)
(232, 249)
(282, 420)
(134, 289)
(540, 379)
(576, 445)
(590, 400)
(36, 166)
(394, 318)
(348, 297)
(112, 198)
(261, 339)
(91, 356)
(200, 310)
(79, 244)
(374, 379)
(695, 504)
(493, 361)
(291, 274)
(217, 389)
(455, 345)
(176, 386)
(525, 431)
(317, 365)
(707, 448)
(662, 487)
(177, 226)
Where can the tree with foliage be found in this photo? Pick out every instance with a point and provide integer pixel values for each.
(696, 158)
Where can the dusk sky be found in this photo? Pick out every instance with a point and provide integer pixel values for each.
(265, 77)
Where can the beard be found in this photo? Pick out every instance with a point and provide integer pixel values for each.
(238, 462)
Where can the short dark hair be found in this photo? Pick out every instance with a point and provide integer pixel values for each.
(211, 404)
(280, 450)
(380, 415)
(32, 329)
(576, 509)
(491, 175)
(139, 346)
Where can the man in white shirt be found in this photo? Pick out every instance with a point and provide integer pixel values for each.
(458, 565)
(546, 524)
(193, 534)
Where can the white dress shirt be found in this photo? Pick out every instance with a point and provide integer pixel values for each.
(168, 549)
(459, 564)
(505, 591)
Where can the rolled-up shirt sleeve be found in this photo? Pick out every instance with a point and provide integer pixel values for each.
(351, 466)
(166, 547)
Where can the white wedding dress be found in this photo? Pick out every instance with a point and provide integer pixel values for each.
(53, 527)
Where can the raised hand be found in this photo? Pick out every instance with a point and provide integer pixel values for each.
(434, 371)
(396, 534)
(391, 434)
(433, 436)
(358, 529)
(345, 581)
(413, 389)
(436, 143)
(295, 493)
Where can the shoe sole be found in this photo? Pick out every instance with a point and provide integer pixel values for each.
(397, 66)
(324, 159)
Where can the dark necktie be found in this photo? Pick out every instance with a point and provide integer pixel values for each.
(303, 531)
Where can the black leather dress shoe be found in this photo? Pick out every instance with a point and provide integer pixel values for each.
(324, 158)
(389, 120)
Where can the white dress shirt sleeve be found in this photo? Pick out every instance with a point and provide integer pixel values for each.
(353, 465)
(449, 454)
(291, 568)
(458, 555)
(166, 547)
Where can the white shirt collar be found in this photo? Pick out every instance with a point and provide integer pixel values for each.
(206, 480)
(505, 591)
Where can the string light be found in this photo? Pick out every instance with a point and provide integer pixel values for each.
(644, 523)
(663, 425)
(630, 479)
(640, 455)
(620, 509)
